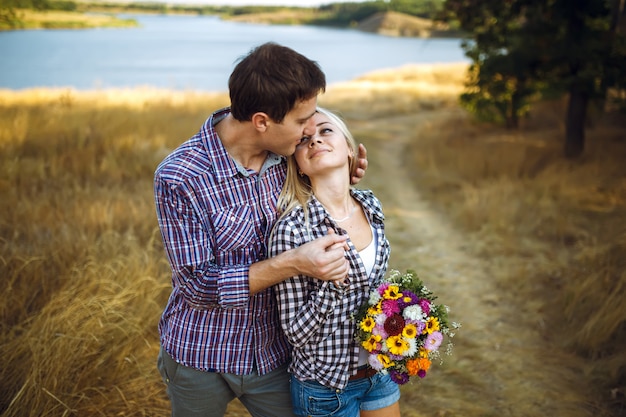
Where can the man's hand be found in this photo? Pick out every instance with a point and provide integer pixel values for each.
(361, 165)
(324, 258)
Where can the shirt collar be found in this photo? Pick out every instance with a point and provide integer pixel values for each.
(223, 164)
(317, 212)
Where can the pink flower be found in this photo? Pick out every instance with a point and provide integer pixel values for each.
(380, 330)
(374, 362)
(390, 307)
(433, 341)
(383, 287)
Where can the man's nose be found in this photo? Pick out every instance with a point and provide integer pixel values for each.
(309, 128)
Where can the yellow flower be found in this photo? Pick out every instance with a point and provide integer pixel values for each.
(397, 345)
(385, 360)
(374, 310)
(371, 343)
(432, 325)
(392, 293)
(409, 331)
(367, 324)
(423, 353)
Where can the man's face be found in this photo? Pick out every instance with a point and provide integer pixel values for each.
(284, 137)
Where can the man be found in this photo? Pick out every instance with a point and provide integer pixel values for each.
(216, 204)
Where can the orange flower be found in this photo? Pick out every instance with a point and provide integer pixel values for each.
(423, 364)
(412, 365)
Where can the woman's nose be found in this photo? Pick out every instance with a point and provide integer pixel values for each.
(314, 140)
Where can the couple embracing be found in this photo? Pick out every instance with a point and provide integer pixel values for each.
(272, 251)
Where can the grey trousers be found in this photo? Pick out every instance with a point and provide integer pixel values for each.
(195, 393)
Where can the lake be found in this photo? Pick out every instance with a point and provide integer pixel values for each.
(195, 53)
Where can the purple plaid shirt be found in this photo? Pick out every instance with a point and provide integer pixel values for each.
(215, 217)
(316, 317)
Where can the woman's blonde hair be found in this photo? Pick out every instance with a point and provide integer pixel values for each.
(297, 188)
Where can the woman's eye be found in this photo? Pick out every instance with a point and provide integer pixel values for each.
(304, 139)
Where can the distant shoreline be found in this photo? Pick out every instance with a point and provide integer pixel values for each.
(385, 23)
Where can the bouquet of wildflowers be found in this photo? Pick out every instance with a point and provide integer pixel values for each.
(402, 328)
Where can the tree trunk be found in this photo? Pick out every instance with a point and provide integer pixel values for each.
(575, 122)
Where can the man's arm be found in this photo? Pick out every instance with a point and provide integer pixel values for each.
(323, 258)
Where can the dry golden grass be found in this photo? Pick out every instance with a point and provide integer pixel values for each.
(85, 277)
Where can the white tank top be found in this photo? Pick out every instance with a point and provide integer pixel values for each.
(368, 257)
(368, 254)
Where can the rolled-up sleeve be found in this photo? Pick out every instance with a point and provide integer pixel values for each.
(191, 253)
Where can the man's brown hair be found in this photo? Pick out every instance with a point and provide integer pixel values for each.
(272, 79)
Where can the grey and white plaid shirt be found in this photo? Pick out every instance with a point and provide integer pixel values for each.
(315, 315)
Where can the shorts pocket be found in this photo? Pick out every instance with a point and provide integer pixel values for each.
(314, 400)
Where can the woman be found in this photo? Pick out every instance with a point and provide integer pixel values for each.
(330, 376)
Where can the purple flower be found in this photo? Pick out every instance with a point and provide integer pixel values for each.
(399, 378)
(408, 299)
(419, 325)
(421, 373)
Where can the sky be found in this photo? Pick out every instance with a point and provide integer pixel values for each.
(303, 3)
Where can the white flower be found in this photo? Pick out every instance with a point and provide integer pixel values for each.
(394, 274)
(374, 298)
(412, 347)
(413, 312)
(380, 319)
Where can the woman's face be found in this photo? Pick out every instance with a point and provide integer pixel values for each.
(324, 151)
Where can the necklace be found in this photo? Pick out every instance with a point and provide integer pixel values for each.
(347, 217)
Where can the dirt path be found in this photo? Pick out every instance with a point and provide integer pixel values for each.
(501, 365)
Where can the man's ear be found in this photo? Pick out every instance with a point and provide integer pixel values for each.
(261, 121)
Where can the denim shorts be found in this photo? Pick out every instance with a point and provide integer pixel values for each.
(313, 399)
